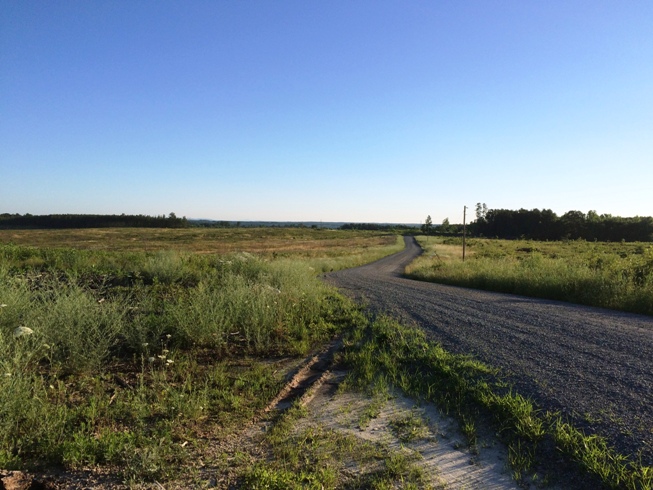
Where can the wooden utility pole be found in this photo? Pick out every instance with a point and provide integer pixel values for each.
(464, 230)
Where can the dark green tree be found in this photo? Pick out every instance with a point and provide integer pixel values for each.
(446, 226)
(481, 211)
(428, 224)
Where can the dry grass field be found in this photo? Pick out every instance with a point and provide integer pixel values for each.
(305, 242)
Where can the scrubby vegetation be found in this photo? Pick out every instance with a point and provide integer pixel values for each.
(133, 361)
(126, 359)
(270, 243)
(610, 275)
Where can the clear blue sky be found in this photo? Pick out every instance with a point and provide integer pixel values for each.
(381, 111)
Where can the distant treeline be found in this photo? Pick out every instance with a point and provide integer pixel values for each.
(207, 223)
(377, 227)
(546, 225)
(58, 221)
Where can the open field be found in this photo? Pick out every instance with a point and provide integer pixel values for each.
(158, 365)
(609, 275)
(289, 241)
(322, 249)
(134, 367)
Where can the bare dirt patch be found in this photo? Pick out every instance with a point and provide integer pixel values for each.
(432, 440)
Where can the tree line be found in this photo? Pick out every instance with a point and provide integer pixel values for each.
(544, 224)
(60, 221)
(378, 227)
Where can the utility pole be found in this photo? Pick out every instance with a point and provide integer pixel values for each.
(464, 229)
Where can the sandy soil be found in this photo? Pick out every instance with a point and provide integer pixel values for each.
(440, 450)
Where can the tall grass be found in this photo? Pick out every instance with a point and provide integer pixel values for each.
(606, 275)
(111, 358)
(76, 325)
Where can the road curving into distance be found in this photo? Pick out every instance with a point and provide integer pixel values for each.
(593, 365)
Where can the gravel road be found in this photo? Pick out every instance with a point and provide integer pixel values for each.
(592, 364)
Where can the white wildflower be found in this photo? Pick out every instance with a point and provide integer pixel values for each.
(145, 344)
(151, 359)
(3, 305)
(21, 331)
(170, 361)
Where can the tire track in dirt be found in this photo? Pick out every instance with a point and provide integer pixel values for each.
(593, 365)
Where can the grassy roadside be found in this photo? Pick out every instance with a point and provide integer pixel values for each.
(355, 257)
(384, 353)
(609, 275)
(316, 457)
(381, 356)
(131, 376)
(301, 453)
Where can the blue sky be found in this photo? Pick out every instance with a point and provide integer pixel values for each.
(379, 111)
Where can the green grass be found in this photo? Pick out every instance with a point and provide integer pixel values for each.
(123, 359)
(610, 275)
(134, 357)
(409, 428)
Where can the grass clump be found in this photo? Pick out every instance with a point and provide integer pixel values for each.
(409, 427)
(593, 453)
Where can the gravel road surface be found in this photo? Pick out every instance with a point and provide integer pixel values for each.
(592, 364)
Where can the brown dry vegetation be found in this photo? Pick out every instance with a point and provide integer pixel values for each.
(295, 241)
